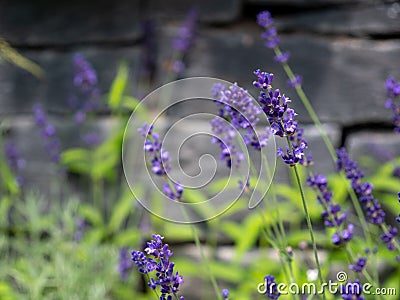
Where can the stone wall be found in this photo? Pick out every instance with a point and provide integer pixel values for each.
(344, 50)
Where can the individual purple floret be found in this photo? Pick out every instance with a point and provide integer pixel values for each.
(332, 215)
(393, 92)
(296, 81)
(225, 294)
(388, 238)
(48, 133)
(373, 211)
(14, 161)
(264, 19)
(125, 264)
(156, 259)
(352, 290)
(283, 57)
(281, 119)
(359, 265)
(271, 287)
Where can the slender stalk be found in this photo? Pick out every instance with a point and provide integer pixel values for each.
(206, 263)
(309, 225)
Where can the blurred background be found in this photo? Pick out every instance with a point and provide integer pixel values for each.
(344, 50)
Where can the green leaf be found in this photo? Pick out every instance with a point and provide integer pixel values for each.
(91, 214)
(118, 86)
(11, 55)
(121, 211)
(77, 160)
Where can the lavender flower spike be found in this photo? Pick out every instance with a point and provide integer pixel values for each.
(373, 211)
(48, 133)
(393, 92)
(156, 259)
(281, 118)
(14, 161)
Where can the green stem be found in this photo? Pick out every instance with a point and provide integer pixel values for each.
(309, 225)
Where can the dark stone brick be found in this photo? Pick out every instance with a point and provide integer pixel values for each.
(219, 11)
(19, 90)
(63, 22)
(304, 3)
(344, 78)
(379, 146)
(358, 21)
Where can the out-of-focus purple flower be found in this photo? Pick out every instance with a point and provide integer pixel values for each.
(265, 20)
(87, 94)
(85, 77)
(225, 294)
(283, 57)
(396, 172)
(48, 133)
(15, 162)
(236, 107)
(125, 264)
(296, 81)
(352, 290)
(393, 92)
(156, 258)
(373, 211)
(184, 40)
(80, 225)
(359, 265)
(92, 139)
(149, 52)
(271, 287)
(332, 215)
(388, 238)
(281, 118)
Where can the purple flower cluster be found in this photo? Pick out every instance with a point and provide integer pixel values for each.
(159, 157)
(388, 238)
(270, 35)
(281, 118)
(160, 161)
(87, 95)
(393, 92)
(332, 214)
(271, 287)
(374, 212)
(352, 290)
(359, 265)
(125, 264)
(184, 40)
(236, 106)
(48, 133)
(156, 258)
(14, 161)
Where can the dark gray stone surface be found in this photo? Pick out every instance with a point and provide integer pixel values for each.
(218, 11)
(343, 78)
(19, 90)
(43, 22)
(376, 19)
